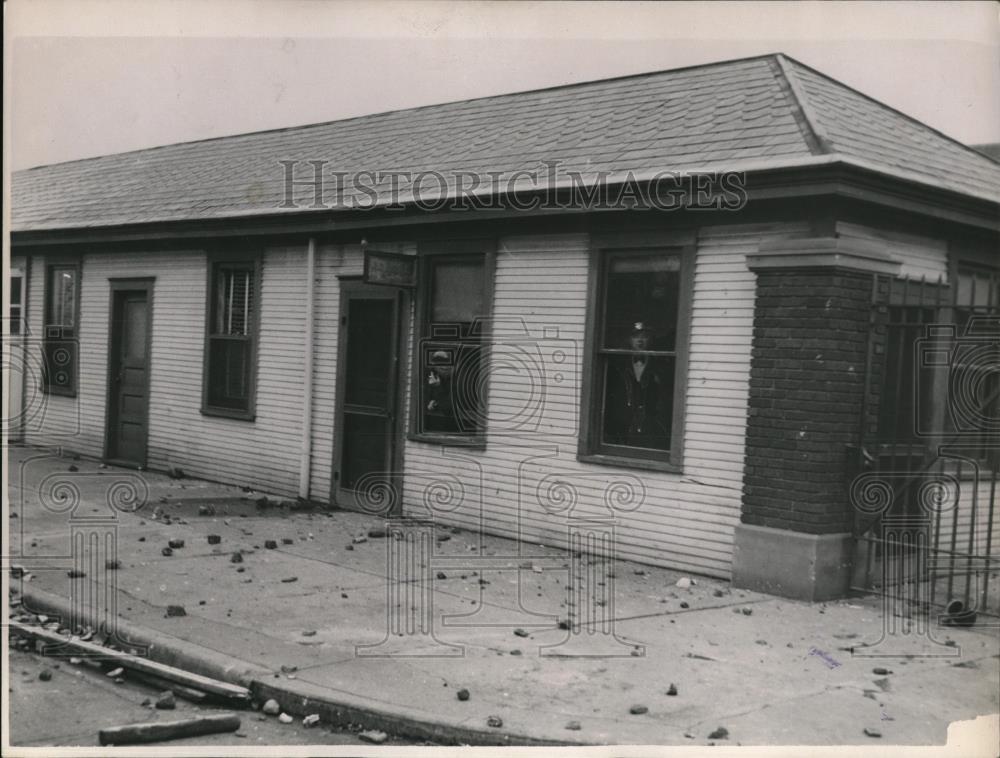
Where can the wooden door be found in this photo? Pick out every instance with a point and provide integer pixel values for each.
(128, 375)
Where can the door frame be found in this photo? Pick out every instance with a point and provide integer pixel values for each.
(355, 286)
(118, 286)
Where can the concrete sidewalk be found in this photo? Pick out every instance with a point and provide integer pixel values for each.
(287, 621)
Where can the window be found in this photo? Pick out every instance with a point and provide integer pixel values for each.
(230, 346)
(455, 298)
(14, 309)
(637, 357)
(60, 338)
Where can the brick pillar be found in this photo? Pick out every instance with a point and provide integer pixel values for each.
(807, 385)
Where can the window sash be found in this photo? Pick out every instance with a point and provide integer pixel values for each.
(231, 332)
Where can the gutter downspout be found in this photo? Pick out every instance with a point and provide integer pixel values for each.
(307, 383)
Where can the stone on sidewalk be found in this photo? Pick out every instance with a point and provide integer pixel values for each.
(373, 736)
(166, 701)
(271, 707)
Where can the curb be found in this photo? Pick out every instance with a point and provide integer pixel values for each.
(297, 698)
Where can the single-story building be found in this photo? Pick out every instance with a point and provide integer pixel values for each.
(685, 303)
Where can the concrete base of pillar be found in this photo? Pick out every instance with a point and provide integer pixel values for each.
(792, 564)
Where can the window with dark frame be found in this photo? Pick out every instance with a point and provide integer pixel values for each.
(638, 346)
(231, 339)
(450, 399)
(14, 307)
(60, 333)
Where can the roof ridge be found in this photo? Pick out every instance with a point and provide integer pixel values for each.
(411, 109)
(884, 106)
(813, 132)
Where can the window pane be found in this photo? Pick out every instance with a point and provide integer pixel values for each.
(642, 289)
(14, 311)
(457, 292)
(451, 392)
(234, 291)
(229, 373)
(62, 299)
(638, 401)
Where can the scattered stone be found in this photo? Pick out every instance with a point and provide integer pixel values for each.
(146, 702)
(672, 690)
(872, 732)
(176, 610)
(684, 604)
(348, 547)
(214, 539)
(240, 570)
(166, 701)
(462, 694)
(270, 544)
(76, 661)
(284, 718)
(373, 736)
(881, 671)
(76, 574)
(73, 469)
(112, 565)
(358, 540)
(176, 543)
(311, 720)
(761, 642)
(721, 733)
(563, 625)
(494, 721)
(516, 652)
(206, 510)
(167, 552)
(441, 575)
(287, 541)
(746, 611)
(309, 633)
(573, 726)
(638, 710)
(288, 668)
(45, 675)
(142, 539)
(271, 707)
(719, 593)
(520, 633)
(236, 557)
(289, 579)
(443, 537)
(115, 672)
(683, 583)
(175, 473)
(376, 534)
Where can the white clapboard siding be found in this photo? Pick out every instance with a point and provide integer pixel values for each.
(921, 257)
(263, 454)
(527, 481)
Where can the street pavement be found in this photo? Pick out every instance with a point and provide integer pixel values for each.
(767, 670)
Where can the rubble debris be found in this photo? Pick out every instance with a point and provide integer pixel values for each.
(271, 544)
(683, 583)
(348, 547)
(441, 575)
(166, 701)
(214, 539)
(720, 733)
(746, 611)
(563, 625)
(880, 671)
(684, 604)
(236, 557)
(287, 541)
(284, 718)
(520, 632)
(494, 721)
(718, 593)
(167, 552)
(206, 510)
(176, 543)
(175, 473)
(271, 707)
(45, 675)
(112, 565)
(376, 534)
(360, 539)
(176, 610)
(672, 689)
(638, 710)
(573, 726)
(159, 731)
(115, 672)
(288, 668)
(516, 652)
(373, 736)
(309, 633)
(872, 732)
(311, 720)
(289, 579)
(462, 694)
(73, 469)
(76, 574)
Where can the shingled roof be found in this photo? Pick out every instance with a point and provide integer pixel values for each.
(755, 113)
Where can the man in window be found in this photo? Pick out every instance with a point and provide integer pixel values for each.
(639, 396)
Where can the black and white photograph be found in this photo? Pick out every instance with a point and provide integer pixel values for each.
(501, 378)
